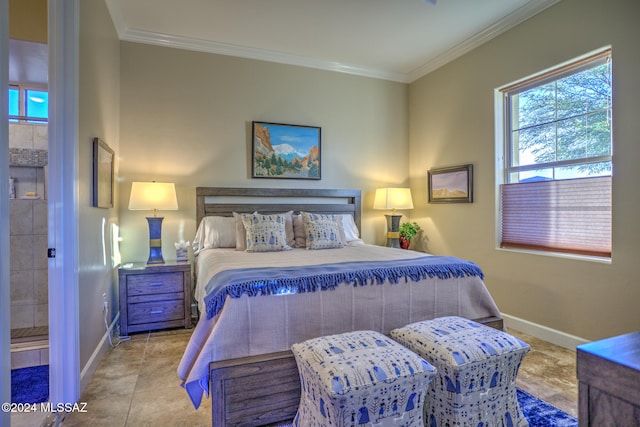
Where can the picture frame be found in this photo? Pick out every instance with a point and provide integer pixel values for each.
(451, 184)
(103, 174)
(285, 151)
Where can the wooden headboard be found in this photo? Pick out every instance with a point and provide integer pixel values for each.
(223, 201)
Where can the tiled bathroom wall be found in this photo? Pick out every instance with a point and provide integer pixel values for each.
(28, 151)
(28, 144)
(29, 274)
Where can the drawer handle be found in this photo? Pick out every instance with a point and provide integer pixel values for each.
(156, 284)
(156, 312)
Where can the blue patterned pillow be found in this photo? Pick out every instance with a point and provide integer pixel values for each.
(265, 233)
(322, 231)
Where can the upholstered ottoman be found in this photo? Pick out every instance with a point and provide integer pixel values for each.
(477, 367)
(360, 378)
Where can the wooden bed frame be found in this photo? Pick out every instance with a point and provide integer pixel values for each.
(265, 389)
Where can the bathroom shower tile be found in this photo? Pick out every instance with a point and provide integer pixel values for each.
(41, 314)
(40, 286)
(21, 253)
(20, 217)
(40, 137)
(22, 289)
(40, 219)
(40, 245)
(22, 316)
(40, 183)
(24, 359)
(44, 356)
(20, 135)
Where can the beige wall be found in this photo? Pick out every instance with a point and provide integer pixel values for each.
(98, 117)
(186, 118)
(452, 122)
(28, 20)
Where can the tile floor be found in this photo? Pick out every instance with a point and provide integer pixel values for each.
(136, 384)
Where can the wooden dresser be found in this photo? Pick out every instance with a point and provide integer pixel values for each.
(154, 296)
(609, 382)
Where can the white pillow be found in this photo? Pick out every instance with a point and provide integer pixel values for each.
(265, 233)
(323, 231)
(351, 232)
(215, 232)
(241, 234)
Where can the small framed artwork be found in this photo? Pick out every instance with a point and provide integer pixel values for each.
(103, 174)
(450, 185)
(285, 151)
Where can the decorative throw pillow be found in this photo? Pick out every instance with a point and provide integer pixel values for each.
(322, 231)
(265, 233)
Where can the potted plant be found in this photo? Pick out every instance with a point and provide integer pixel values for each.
(408, 231)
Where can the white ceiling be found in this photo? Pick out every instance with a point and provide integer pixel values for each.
(399, 40)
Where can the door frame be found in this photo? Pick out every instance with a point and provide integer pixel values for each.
(63, 201)
(5, 278)
(64, 353)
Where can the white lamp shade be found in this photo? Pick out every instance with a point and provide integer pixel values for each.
(153, 196)
(393, 198)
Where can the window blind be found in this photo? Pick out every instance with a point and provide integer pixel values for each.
(572, 215)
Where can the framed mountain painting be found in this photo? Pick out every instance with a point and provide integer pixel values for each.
(285, 151)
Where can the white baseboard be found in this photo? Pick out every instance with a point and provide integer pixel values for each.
(92, 364)
(543, 332)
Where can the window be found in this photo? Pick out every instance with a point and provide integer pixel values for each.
(28, 104)
(556, 194)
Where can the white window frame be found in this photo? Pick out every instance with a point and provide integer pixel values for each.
(22, 116)
(504, 144)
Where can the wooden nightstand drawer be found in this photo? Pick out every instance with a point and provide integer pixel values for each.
(156, 311)
(156, 283)
(154, 296)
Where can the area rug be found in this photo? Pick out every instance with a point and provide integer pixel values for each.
(538, 412)
(541, 414)
(30, 385)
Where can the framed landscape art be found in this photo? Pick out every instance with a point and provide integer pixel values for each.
(103, 174)
(285, 151)
(450, 185)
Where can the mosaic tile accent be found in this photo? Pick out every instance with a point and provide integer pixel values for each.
(28, 157)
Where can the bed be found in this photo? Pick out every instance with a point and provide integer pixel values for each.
(239, 351)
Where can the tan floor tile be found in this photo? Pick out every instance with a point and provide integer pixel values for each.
(158, 373)
(168, 407)
(107, 412)
(27, 419)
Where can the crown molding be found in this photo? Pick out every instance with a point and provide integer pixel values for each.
(188, 43)
(126, 33)
(517, 17)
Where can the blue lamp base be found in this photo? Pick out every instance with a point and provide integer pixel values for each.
(155, 240)
(393, 231)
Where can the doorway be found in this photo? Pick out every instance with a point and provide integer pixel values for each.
(28, 219)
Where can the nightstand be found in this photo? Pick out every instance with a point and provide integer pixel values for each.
(154, 296)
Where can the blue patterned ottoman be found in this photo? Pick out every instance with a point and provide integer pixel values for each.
(477, 367)
(360, 378)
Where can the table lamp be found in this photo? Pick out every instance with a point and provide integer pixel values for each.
(154, 196)
(393, 199)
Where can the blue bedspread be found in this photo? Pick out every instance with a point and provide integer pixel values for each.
(322, 277)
